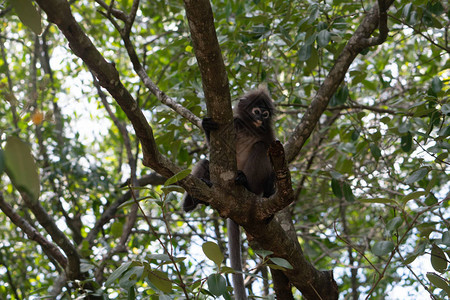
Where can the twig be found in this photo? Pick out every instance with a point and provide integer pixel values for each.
(181, 284)
(49, 248)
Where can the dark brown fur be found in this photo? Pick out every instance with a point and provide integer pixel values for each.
(254, 133)
(252, 143)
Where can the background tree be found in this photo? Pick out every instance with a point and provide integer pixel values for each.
(362, 101)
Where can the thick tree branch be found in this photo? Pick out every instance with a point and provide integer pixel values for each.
(358, 42)
(284, 196)
(216, 89)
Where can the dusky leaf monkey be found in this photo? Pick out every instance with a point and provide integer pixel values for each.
(253, 122)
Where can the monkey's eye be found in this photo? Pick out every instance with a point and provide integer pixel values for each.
(256, 111)
(265, 114)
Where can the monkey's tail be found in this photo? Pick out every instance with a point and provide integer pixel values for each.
(234, 244)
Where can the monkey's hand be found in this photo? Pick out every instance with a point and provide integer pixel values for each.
(241, 179)
(207, 182)
(209, 124)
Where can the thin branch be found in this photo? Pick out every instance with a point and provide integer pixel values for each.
(332, 82)
(431, 154)
(44, 219)
(445, 48)
(49, 248)
(139, 69)
(115, 12)
(353, 107)
(108, 214)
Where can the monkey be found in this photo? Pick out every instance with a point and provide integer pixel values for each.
(253, 123)
(254, 133)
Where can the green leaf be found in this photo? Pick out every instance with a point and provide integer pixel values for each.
(406, 142)
(336, 175)
(227, 270)
(382, 248)
(162, 257)
(116, 229)
(313, 61)
(394, 224)
(131, 293)
(172, 188)
(212, 251)
(314, 13)
(406, 10)
(438, 282)
(263, 253)
(348, 194)
(131, 276)
(177, 177)
(413, 195)
(355, 134)
(217, 284)
(323, 38)
(435, 7)
(304, 53)
(431, 184)
(160, 280)
(336, 188)
(117, 273)
(281, 262)
(21, 167)
(436, 85)
(28, 14)
(417, 175)
(438, 259)
(276, 267)
(411, 258)
(340, 97)
(446, 238)
(376, 152)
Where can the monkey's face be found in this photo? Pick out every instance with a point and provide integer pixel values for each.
(260, 116)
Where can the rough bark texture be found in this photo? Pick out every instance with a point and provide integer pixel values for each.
(216, 89)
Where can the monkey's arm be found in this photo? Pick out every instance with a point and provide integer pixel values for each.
(208, 125)
(257, 173)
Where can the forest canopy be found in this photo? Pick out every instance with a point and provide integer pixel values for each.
(101, 106)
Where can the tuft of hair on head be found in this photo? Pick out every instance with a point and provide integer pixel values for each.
(256, 96)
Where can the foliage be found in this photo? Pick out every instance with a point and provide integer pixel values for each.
(371, 184)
